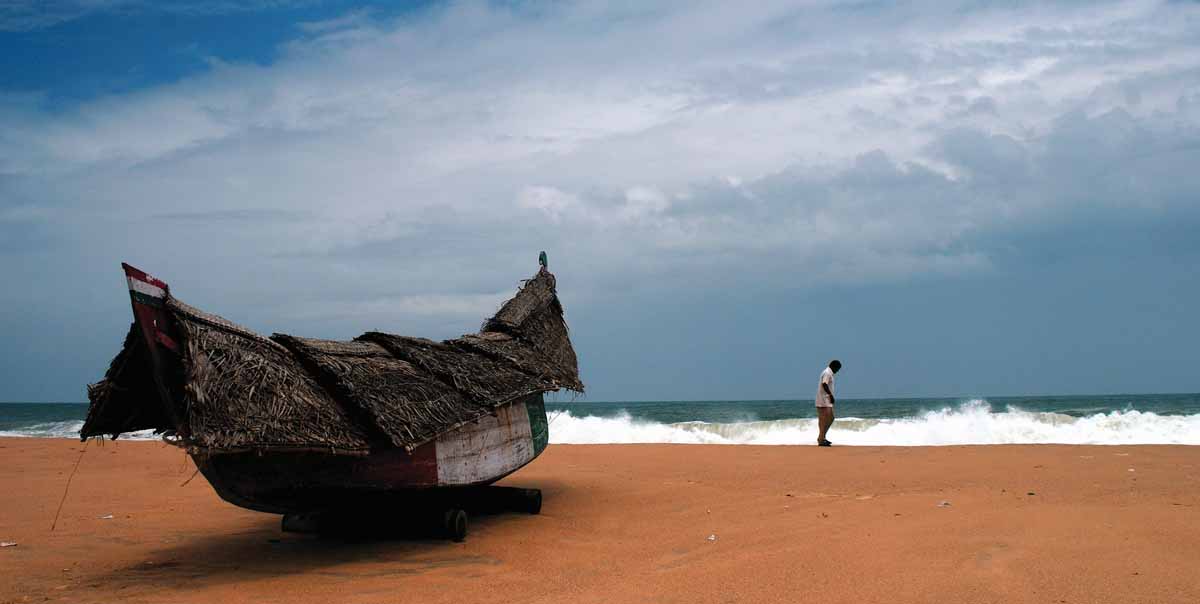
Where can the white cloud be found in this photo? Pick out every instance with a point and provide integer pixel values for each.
(446, 149)
(384, 311)
(552, 202)
(643, 201)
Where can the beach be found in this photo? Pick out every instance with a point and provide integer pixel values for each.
(637, 523)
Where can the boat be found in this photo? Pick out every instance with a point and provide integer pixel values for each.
(301, 426)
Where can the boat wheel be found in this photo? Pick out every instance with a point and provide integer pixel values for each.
(532, 500)
(454, 522)
(301, 523)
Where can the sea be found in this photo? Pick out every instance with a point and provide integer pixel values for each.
(1119, 419)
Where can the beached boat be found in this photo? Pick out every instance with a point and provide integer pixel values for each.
(301, 426)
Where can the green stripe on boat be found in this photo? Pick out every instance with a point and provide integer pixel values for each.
(539, 428)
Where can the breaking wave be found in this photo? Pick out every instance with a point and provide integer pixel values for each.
(66, 429)
(973, 423)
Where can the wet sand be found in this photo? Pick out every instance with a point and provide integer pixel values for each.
(632, 523)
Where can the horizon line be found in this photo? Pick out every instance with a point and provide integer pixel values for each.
(776, 400)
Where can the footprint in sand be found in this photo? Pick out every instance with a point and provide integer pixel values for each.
(677, 558)
(994, 557)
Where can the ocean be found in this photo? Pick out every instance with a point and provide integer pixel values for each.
(1103, 420)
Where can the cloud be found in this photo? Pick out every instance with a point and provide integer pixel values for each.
(551, 202)
(422, 162)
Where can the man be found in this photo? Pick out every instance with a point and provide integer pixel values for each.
(825, 401)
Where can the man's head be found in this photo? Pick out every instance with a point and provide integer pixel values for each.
(835, 365)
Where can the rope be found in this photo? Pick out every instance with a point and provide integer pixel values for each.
(68, 487)
(185, 483)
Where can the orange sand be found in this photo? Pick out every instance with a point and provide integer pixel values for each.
(630, 523)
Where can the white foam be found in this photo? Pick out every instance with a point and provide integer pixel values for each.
(973, 423)
(67, 429)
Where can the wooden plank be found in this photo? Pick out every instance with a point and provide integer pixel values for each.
(485, 449)
(396, 469)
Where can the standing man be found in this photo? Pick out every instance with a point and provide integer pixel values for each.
(825, 401)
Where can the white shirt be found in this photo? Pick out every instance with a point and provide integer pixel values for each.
(823, 399)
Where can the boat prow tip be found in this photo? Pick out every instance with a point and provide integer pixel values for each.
(143, 282)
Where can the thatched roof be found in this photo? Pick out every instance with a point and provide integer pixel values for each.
(400, 403)
(238, 390)
(127, 399)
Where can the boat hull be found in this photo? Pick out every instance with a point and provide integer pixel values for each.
(474, 454)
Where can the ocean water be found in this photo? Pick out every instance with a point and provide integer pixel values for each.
(1104, 420)
(1108, 419)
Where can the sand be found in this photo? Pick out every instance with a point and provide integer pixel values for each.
(632, 523)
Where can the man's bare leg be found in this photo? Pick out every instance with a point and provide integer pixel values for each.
(824, 421)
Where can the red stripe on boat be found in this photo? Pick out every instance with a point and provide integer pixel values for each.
(396, 466)
(166, 340)
(148, 307)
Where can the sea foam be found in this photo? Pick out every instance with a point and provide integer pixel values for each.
(66, 429)
(973, 423)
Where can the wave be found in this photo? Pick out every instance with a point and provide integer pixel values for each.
(973, 423)
(66, 429)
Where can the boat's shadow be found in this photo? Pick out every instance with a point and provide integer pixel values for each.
(372, 545)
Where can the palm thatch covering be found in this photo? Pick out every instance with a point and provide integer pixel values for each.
(127, 399)
(242, 391)
(398, 401)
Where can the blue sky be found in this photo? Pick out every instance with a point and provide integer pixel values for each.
(956, 199)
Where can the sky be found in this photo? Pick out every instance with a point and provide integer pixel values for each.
(954, 198)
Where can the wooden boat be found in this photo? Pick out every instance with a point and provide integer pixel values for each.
(301, 426)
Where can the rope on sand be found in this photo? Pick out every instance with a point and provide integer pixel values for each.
(68, 487)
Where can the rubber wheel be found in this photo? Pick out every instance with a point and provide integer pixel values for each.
(533, 501)
(454, 522)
